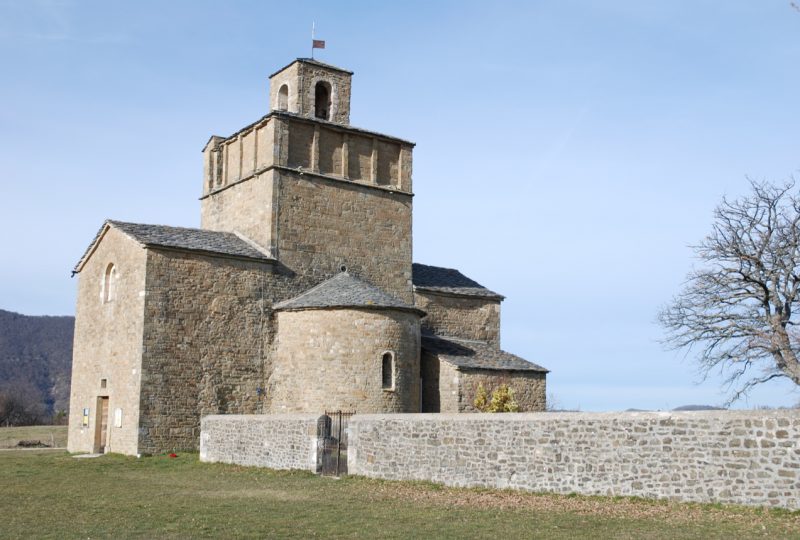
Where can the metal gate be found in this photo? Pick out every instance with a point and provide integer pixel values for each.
(332, 443)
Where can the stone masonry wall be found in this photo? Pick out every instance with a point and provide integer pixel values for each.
(285, 441)
(250, 151)
(528, 386)
(325, 224)
(340, 92)
(740, 457)
(454, 316)
(300, 216)
(440, 384)
(246, 208)
(108, 344)
(291, 78)
(207, 339)
(329, 359)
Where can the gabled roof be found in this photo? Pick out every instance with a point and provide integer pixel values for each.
(448, 281)
(345, 291)
(467, 354)
(313, 63)
(200, 240)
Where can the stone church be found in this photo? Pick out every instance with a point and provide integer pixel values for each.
(297, 294)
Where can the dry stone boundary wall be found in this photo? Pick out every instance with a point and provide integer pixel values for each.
(739, 457)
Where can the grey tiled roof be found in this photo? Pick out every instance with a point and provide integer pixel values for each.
(313, 62)
(216, 242)
(448, 280)
(468, 354)
(345, 290)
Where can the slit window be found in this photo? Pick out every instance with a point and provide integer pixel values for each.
(387, 371)
(109, 283)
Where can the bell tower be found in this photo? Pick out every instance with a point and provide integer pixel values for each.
(312, 89)
(313, 191)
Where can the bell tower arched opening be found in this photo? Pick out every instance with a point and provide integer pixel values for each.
(322, 100)
(283, 98)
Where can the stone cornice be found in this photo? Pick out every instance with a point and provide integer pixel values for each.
(306, 172)
(330, 125)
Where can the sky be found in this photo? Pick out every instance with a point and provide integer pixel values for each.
(568, 152)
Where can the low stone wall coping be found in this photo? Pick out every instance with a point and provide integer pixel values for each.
(627, 415)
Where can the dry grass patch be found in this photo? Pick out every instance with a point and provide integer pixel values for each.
(668, 512)
(54, 436)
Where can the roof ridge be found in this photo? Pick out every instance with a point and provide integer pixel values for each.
(455, 338)
(217, 243)
(448, 281)
(475, 354)
(344, 290)
(176, 227)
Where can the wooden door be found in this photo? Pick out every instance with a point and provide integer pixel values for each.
(101, 428)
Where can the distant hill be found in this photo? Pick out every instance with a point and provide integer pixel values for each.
(38, 350)
(698, 408)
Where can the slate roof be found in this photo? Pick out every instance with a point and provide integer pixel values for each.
(215, 242)
(466, 354)
(448, 281)
(345, 290)
(313, 62)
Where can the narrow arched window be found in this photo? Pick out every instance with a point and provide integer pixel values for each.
(109, 283)
(283, 98)
(387, 371)
(322, 100)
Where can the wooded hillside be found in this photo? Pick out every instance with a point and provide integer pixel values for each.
(36, 358)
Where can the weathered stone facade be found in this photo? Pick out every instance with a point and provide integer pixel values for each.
(331, 359)
(528, 388)
(107, 346)
(297, 207)
(465, 317)
(301, 79)
(441, 391)
(207, 329)
(294, 201)
(377, 246)
(452, 389)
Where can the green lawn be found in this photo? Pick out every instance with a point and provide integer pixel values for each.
(49, 494)
(49, 435)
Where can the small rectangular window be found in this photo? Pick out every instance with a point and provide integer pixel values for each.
(103, 383)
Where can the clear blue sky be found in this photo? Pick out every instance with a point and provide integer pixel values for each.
(567, 152)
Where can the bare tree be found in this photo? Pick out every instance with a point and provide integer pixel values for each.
(21, 404)
(738, 310)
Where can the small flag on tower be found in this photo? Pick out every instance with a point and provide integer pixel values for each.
(315, 43)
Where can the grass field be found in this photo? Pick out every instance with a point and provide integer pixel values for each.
(49, 435)
(50, 494)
